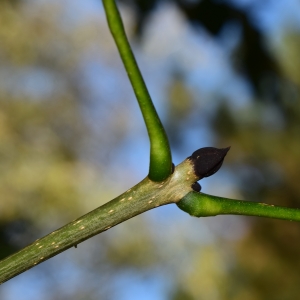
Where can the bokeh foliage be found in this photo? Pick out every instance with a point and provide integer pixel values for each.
(48, 154)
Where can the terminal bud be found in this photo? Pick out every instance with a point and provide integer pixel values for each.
(207, 161)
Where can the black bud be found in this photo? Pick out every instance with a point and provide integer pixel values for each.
(196, 187)
(207, 161)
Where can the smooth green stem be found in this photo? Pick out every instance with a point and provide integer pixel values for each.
(203, 205)
(160, 153)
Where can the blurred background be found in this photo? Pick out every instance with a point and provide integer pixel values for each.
(221, 73)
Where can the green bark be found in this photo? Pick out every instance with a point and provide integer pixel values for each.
(160, 153)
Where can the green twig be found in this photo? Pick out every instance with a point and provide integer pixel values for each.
(144, 196)
(203, 205)
(160, 153)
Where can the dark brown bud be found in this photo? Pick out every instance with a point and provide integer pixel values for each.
(196, 187)
(207, 161)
